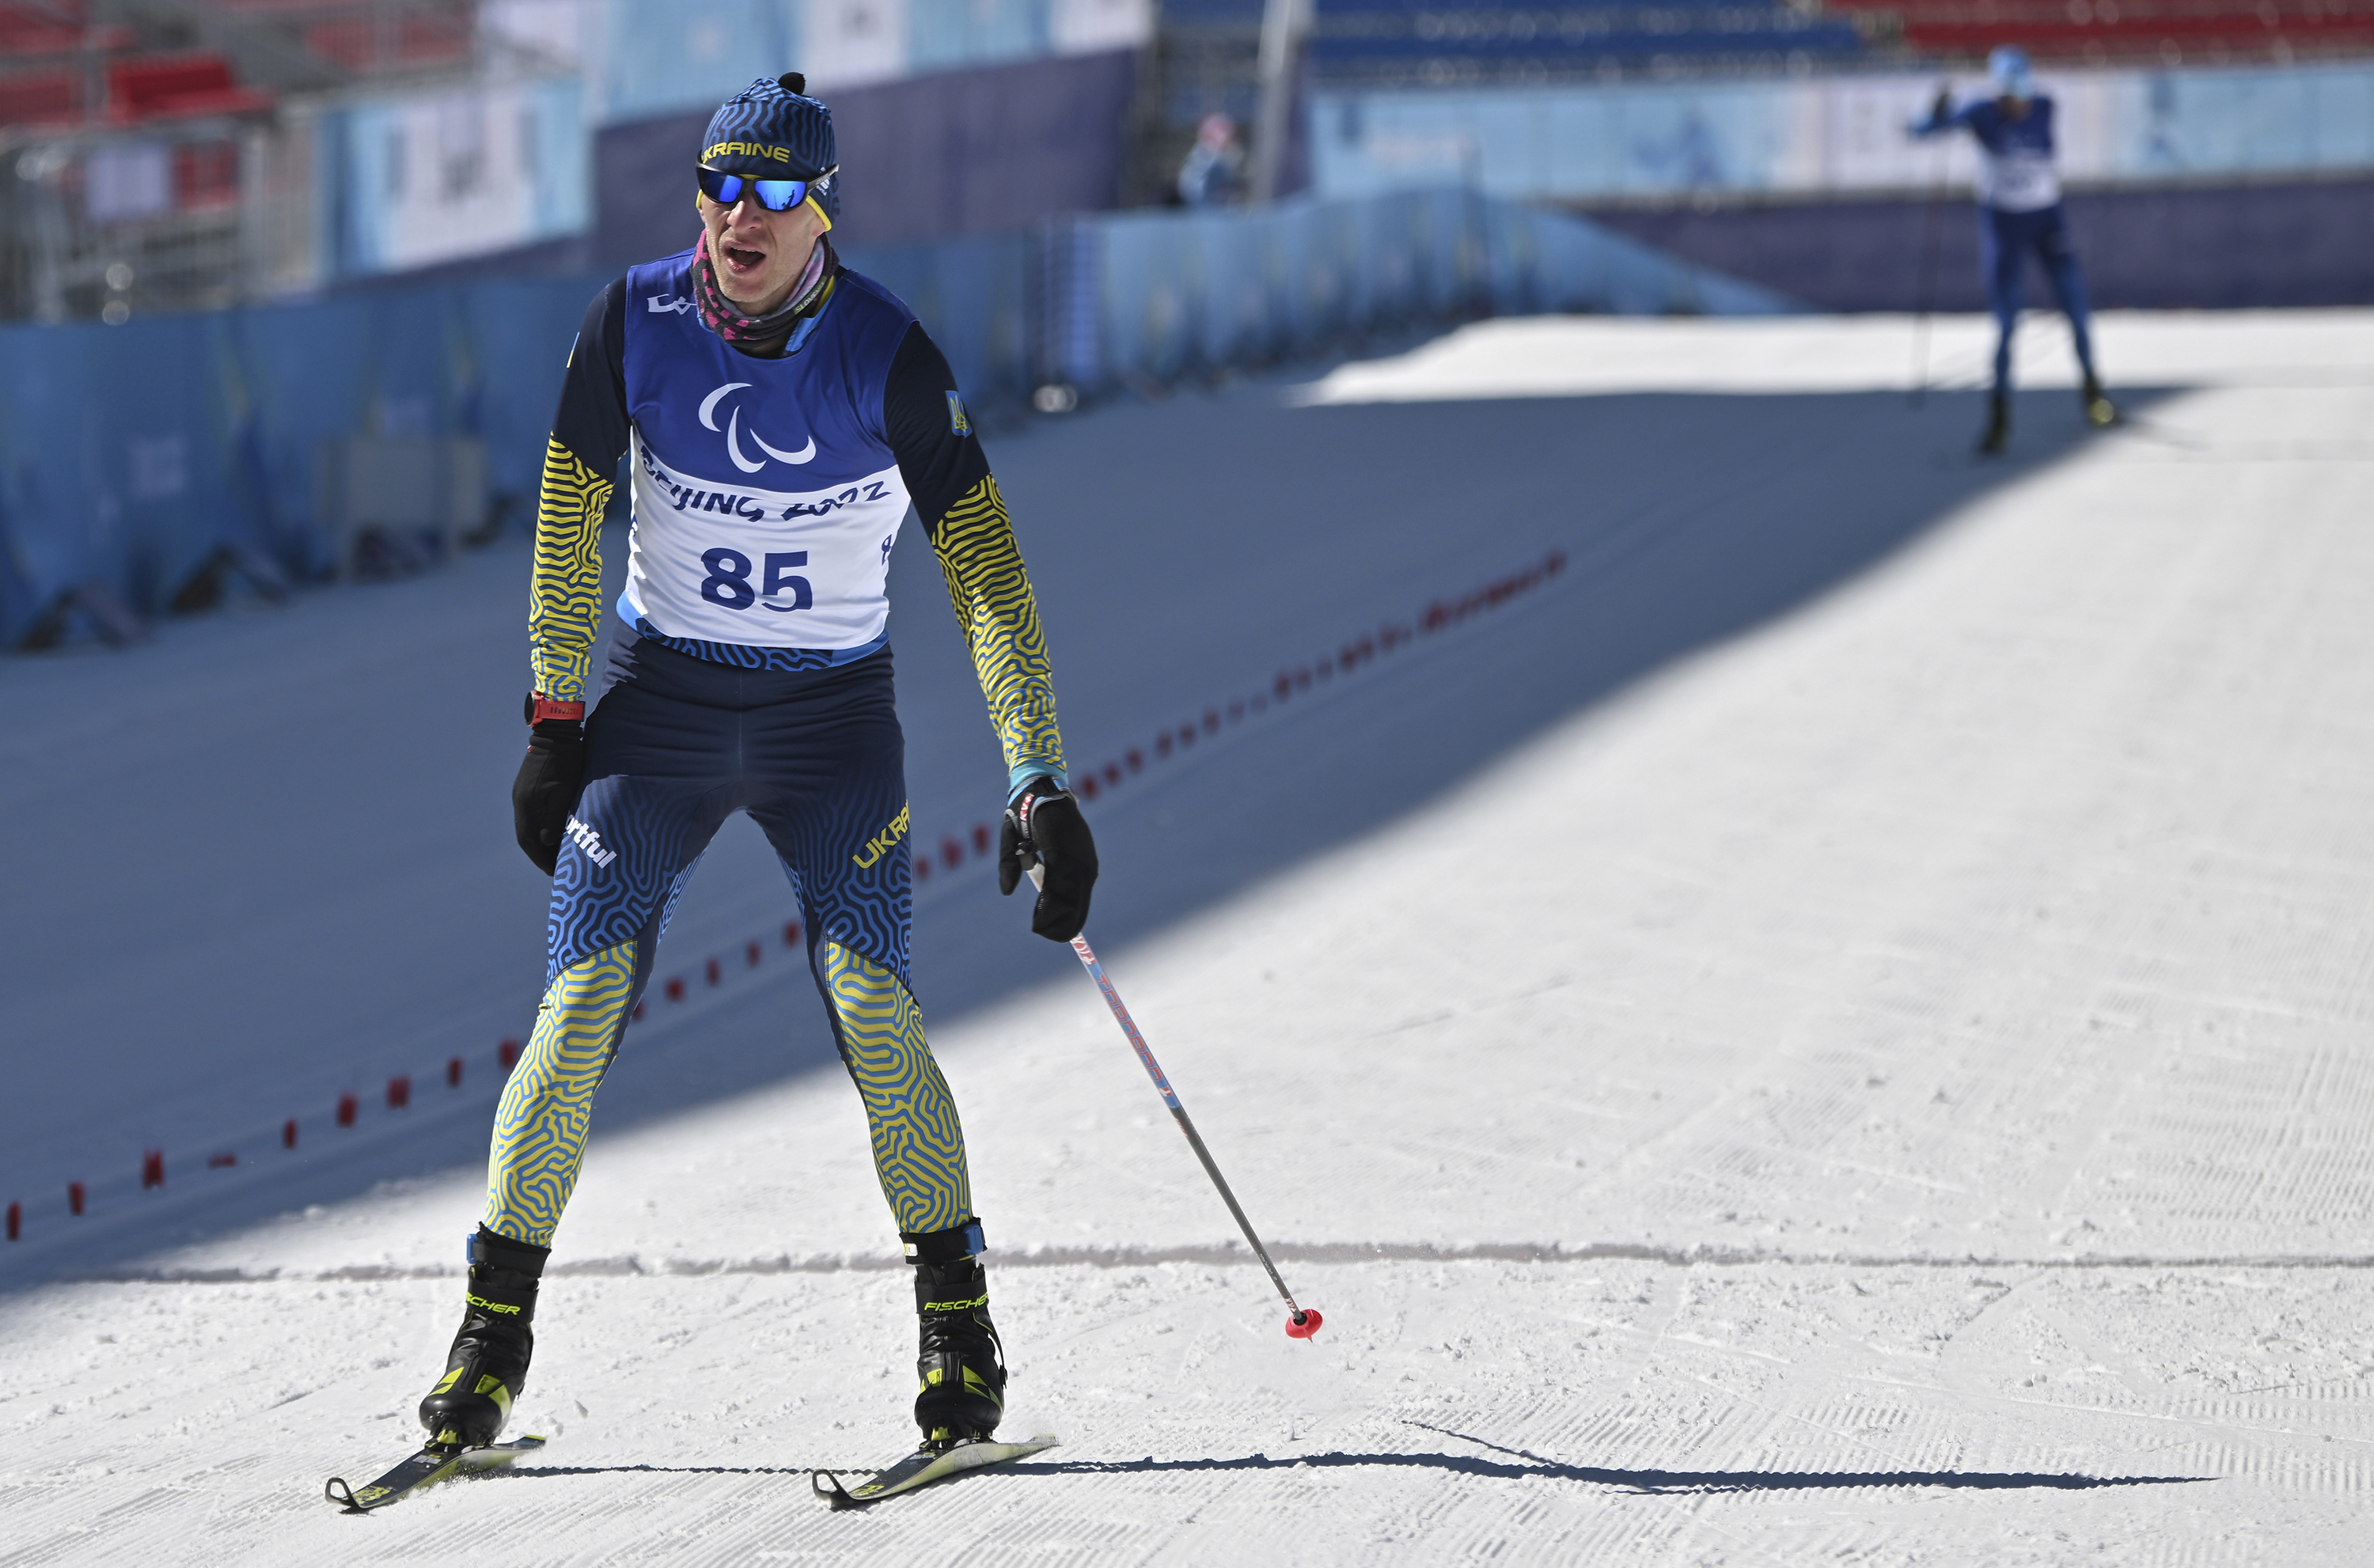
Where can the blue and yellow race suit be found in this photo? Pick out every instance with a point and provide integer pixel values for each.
(751, 671)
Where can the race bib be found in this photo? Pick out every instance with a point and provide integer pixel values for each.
(763, 567)
(2019, 180)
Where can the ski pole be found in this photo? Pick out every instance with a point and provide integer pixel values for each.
(1305, 1321)
(1927, 292)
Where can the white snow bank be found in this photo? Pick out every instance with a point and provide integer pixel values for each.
(1580, 356)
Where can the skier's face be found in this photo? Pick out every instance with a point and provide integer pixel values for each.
(759, 254)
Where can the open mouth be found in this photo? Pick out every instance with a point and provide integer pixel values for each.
(741, 258)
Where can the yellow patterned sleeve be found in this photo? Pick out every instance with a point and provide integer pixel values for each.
(990, 592)
(565, 593)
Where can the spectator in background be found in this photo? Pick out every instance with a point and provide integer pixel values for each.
(2019, 199)
(1209, 177)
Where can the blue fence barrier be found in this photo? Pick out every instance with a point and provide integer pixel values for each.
(132, 457)
(1173, 293)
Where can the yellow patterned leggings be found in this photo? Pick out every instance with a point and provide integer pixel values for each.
(540, 1126)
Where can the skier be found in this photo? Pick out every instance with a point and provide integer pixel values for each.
(781, 411)
(2019, 196)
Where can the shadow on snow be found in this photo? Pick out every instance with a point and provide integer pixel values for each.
(1685, 1483)
(1182, 552)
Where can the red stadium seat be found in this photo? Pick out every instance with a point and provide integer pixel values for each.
(40, 98)
(178, 86)
(2166, 31)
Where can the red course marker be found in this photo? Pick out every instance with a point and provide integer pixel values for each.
(15, 1219)
(1390, 637)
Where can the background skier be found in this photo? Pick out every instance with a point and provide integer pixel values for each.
(780, 412)
(2019, 203)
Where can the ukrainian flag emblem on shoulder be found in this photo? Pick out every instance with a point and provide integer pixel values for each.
(956, 420)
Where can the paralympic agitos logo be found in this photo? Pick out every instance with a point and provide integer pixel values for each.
(732, 431)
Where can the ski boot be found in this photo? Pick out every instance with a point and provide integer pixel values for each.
(2099, 410)
(958, 1357)
(1998, 431)
(487, 1368)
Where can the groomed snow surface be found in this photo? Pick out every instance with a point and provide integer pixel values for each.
(1834, 1028)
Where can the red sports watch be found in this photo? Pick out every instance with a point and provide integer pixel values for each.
(541, 708)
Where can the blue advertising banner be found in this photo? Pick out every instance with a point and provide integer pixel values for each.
(1833, 135)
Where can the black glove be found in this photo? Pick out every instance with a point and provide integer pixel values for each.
(545, 790)
(1045, 827)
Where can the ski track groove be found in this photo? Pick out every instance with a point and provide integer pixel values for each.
(1235, 1255)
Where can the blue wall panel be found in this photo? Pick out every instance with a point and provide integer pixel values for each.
(981, 151)
(130, 455)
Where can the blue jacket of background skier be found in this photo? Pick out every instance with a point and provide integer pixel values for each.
(2016, 165)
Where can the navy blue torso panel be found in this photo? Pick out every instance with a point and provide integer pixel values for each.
(766, 496)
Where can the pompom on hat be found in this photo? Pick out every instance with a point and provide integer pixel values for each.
(772, 130)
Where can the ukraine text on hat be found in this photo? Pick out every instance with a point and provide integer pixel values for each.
(746, 149)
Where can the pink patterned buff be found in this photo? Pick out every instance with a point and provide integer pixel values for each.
(770, 330)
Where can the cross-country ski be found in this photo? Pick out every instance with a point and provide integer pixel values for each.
(435, 1462)
(920, 1468)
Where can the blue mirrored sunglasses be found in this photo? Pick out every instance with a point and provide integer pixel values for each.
(775, 196)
